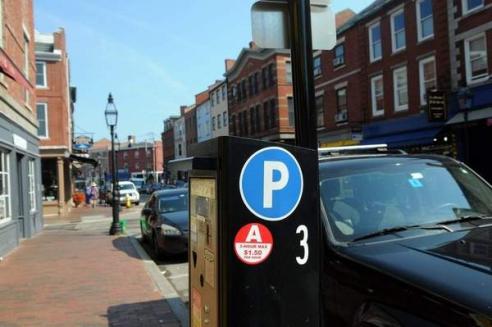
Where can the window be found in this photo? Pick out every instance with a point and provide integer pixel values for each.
(243, 89)
(252, 119)
(476, 59)
(398, 40)
(317, 66)
(273, 113)
(271, 78)
(32, 185)
(233, 125)
(212, 100)
(257, 118)
(213, 123)
(180, 152)
(341, 100)
(136, 154)
(41, 74)
(320, 110)
(377, 95)
(137, 165)
(400, 88)
(376, 49)
(264, 78)
(425, 20)
(427, 73)
(223, 92)
(288, 72)
(217, 97)
(219, 122)
(339, 59)
(245, 121)
(125, 155)
(26, 56)
(224, 118)
(42, 113)
(471, 5)
(240, 124)
(255, 83)
(290, 105)
(266, 116)
(250, 84)
(5, 211)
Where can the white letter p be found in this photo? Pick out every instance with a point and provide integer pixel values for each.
(269, 185)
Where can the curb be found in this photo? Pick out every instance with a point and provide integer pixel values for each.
(166, 289)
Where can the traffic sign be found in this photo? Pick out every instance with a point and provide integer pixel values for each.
(253, 244)
(271, 184)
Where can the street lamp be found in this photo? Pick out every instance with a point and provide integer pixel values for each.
(465, 102)
(111, 115)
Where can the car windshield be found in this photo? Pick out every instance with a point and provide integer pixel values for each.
(124, 187)
(368, 195)
(173, 203)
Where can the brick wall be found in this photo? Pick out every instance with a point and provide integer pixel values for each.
(56, 96)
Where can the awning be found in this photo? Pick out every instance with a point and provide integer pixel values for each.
(420, 137)
(90, 161)
(459, 118)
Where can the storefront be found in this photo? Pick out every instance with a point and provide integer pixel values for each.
(342, 137)
(414, 134)
(20, 185)
(472, 128)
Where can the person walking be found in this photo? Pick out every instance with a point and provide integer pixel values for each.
(94, 194)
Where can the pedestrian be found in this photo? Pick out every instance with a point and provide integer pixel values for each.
(94, 194)
(87, 195)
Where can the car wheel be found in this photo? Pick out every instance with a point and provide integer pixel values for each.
(137, 203)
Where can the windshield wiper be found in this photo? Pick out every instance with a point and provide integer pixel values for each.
(463, 219)
(382, 232)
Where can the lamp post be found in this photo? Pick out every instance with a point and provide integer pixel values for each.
(111, 115)
(465, 102)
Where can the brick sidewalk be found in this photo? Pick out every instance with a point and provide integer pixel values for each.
(77, 277)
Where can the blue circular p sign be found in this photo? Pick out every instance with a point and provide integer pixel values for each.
(271, 184)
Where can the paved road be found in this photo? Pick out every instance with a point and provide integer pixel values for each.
(175, 268)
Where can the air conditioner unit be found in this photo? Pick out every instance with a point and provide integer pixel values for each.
(338, 61)
(341, 116)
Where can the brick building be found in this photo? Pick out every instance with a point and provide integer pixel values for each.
(219, 110)
(191, 134)
(139, 157)
(168, 145)
(260, 100)
(470, 47)
(99, 152)
(20, 203)
(54, 106)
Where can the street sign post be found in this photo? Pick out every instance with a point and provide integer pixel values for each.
(254, 235)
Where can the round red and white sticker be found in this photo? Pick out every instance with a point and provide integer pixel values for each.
(253, 244)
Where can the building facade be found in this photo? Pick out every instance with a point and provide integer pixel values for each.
(99, 152)
(140, 157)
(470, 52)
(219, 109)
(54, 105)
(168, 147)
(203, 119)
(180, 135)
(20, 167)
(260, 99)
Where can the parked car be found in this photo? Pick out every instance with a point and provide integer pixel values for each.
(164, 222)
(408, 241)
(139, 184)
(124, 189)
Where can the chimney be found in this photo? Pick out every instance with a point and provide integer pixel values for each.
(343, 16)
(228, 64)
(252, 45)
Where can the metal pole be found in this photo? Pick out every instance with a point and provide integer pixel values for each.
(466, 138)
(302, 73)
(115, 225)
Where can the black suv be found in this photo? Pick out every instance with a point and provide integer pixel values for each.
(409, 240)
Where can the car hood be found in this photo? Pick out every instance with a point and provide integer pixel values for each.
(454, 265)
(178, 218)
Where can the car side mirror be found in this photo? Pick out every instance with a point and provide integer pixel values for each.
(146, 212)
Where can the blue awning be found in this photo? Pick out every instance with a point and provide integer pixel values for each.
(405, 139)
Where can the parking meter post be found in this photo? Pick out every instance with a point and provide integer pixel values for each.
(302, 73)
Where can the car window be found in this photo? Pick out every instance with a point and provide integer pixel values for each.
(127, 187)
(173, 203)
(364, 200)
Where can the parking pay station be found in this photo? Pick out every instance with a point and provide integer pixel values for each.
(254, 250)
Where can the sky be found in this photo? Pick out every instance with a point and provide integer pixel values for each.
(152, 55)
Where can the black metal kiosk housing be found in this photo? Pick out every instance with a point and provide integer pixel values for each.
(254, 250)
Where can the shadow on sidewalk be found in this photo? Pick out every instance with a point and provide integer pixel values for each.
(152, 313)
(124, 244)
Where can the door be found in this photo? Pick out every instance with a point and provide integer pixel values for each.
(20, 195)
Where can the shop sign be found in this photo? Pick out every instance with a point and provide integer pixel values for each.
(436, 106)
